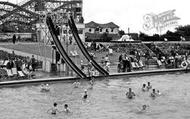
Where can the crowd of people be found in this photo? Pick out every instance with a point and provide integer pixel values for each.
(129, 95)
(20, 67)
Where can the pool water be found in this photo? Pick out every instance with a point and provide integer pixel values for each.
(106, 100)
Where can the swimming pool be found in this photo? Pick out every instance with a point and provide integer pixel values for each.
(106, 100)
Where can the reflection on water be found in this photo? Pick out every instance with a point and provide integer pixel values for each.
(105, 101)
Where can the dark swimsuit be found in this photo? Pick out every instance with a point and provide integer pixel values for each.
(85, 96)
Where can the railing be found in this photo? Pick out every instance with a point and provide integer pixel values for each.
(22, 2)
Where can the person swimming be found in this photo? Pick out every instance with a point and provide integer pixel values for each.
(158, 93)
(66, 108)
(76, 84)
(45, 88)
(85, 94)
(130, 94)
(153, 94)
(144, 107)
(144, 88)
(149, 86)
(54, 109)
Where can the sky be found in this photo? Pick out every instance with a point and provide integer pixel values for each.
(130, 13)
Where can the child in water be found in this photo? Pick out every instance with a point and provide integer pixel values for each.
(85, 94)
(54, 109)
(130, 94)
(144, 108)
(144, 88)
(76, 84)
(66, 109)
(149, 86)
(153, 94)
(45, 88)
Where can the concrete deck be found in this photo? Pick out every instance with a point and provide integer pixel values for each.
(62, 79)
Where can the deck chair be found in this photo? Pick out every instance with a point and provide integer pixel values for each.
(75, 52)
(3, 73)
(21, 74)
(159, 62)
(110, 51)
(141, 65)
(14, 71)
(134, 65)
(137, 64)
(72, 53)
(5, 62)
(9, 73)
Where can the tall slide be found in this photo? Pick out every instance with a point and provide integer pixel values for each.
(61, 49)
(83, 49)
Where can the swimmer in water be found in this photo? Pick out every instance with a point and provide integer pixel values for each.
(158, 93)
(54, 109)
(144, 107)
(130, 94)
(66, 108)
(149, 86)
(153, 94)
(144, 88)
(45, 88)
(85, 94)
(76, 84)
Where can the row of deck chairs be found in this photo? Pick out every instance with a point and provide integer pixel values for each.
(12, 73)
(137, 65)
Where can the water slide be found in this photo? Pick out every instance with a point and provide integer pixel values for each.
(83, 49)
(61, 49)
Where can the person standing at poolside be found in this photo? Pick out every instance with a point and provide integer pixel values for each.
(33, 63)
(14, 39)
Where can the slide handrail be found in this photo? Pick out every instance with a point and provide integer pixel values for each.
(61, 49)
(83, 49)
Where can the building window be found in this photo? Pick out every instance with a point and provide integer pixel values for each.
(97, 29)
(111, 30)
(90, 30)
(100, 30)
(107, 31)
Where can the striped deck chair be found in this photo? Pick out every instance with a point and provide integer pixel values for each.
(9, 73)
(134, 66)
(14, 71)
(141, 64)
(3, 74)
(159, 62)
(21, 75)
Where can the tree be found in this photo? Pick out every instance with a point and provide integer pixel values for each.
(121, 33)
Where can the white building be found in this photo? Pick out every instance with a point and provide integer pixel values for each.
(93, 27)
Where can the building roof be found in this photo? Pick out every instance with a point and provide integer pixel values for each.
(93, 24)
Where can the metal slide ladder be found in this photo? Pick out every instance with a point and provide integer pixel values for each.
(61, 49)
